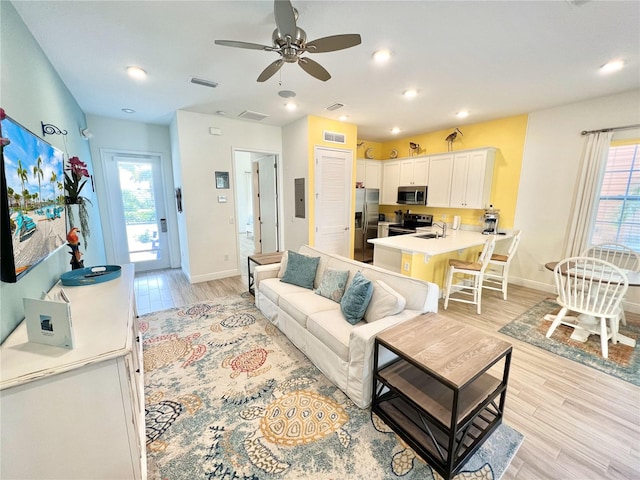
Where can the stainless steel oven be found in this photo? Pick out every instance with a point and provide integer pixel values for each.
(410, 222)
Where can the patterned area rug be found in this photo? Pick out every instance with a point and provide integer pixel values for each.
(531, 327)
(229, 397)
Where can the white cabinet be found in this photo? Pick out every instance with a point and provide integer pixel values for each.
(390, 183)
(471, 179)
(77, 413)
(414, 171)
(369, 173)
(440, 171)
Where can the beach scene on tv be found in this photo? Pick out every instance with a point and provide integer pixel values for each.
(34, 172)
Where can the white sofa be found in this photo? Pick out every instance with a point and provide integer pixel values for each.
(316, 325)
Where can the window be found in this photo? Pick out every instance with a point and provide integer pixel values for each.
(617, 217)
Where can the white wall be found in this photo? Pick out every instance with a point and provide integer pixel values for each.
(208, 234)
(295, 146)
(32, 92)
(133, 137)
(553, 150)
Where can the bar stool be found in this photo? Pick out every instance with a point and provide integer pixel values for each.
(472, 275)
(497, 275)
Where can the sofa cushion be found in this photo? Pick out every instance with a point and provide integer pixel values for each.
(385, 301)
(333, 284)
(283, 264)
(356, 299)
(331, 329)
(301, 270)
(299, 305)
(273, 289)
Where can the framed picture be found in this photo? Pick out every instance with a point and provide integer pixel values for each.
(222, 179)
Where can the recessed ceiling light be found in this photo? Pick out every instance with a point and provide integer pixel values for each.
(291, 106)
(128, 110)
(410, 93)
(612, 66)
(462, 114)
(343, 118)
(136, 72)
(395, 130)
(382, 56)
(220, 112)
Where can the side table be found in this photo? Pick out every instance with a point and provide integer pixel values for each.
(437, 393)
(260, 259)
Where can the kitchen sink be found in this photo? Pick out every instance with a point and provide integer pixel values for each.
(428, 235)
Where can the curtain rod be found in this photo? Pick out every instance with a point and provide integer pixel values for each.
(628, 127)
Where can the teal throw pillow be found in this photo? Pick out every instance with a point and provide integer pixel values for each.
(356, 299)
(301, 270)
(333, 284)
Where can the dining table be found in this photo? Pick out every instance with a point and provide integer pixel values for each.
(586, 325)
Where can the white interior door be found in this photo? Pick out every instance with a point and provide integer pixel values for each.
(137, 211)
(333, 200)
(268, 200)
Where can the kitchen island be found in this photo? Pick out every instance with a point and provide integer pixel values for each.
(427, 258)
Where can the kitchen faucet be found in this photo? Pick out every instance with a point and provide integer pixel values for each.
(444, 228)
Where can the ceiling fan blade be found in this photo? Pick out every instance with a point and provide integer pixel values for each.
(285, 18)
(333, 43)
(251, 46)
(268, 72)
(314, 69)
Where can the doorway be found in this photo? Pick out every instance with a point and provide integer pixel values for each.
(256, 190)
(136, 209)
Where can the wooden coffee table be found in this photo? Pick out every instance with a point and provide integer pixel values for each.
(261, 259)
(434, 389)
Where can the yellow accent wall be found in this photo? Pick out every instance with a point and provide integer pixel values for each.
(506, 134)
(376, 150)
(317, 126)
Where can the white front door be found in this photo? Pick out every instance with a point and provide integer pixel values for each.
(333, 200)
(136, 210)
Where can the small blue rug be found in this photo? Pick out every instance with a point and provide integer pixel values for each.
(622, 362)
(229, 397)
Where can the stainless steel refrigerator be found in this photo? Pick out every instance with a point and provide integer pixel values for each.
(366, 222)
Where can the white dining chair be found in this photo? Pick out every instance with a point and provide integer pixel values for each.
(496, 277)
(471, 274)
(594, 288)
(620, 255)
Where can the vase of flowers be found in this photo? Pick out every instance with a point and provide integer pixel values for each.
(75, 178)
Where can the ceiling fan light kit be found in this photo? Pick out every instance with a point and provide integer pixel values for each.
(290, 42)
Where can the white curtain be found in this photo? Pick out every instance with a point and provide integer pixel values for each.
(587, 192)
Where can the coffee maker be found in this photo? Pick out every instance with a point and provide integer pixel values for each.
(491, 217)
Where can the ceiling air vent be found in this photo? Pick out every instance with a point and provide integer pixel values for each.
(253, 115)
(335, 106)
(202, 81)
(334, 137)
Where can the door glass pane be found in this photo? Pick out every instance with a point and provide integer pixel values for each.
(136, 183)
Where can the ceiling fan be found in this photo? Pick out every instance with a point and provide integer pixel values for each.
(290, 41)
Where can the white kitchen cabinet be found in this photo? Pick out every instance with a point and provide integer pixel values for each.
(471, 178)
(414, 171)
(369, 172)
(390, 183)
(77, 414)
(439, 183)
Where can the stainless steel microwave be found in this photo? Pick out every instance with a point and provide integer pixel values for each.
(412, 195)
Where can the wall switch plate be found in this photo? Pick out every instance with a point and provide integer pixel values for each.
(222, 199)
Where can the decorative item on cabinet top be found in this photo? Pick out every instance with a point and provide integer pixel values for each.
(414, 149)
(368, 153)
(393, 154)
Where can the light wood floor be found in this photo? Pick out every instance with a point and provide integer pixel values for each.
(578, 423)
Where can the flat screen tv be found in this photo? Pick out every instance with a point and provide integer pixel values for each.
(32, 213)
